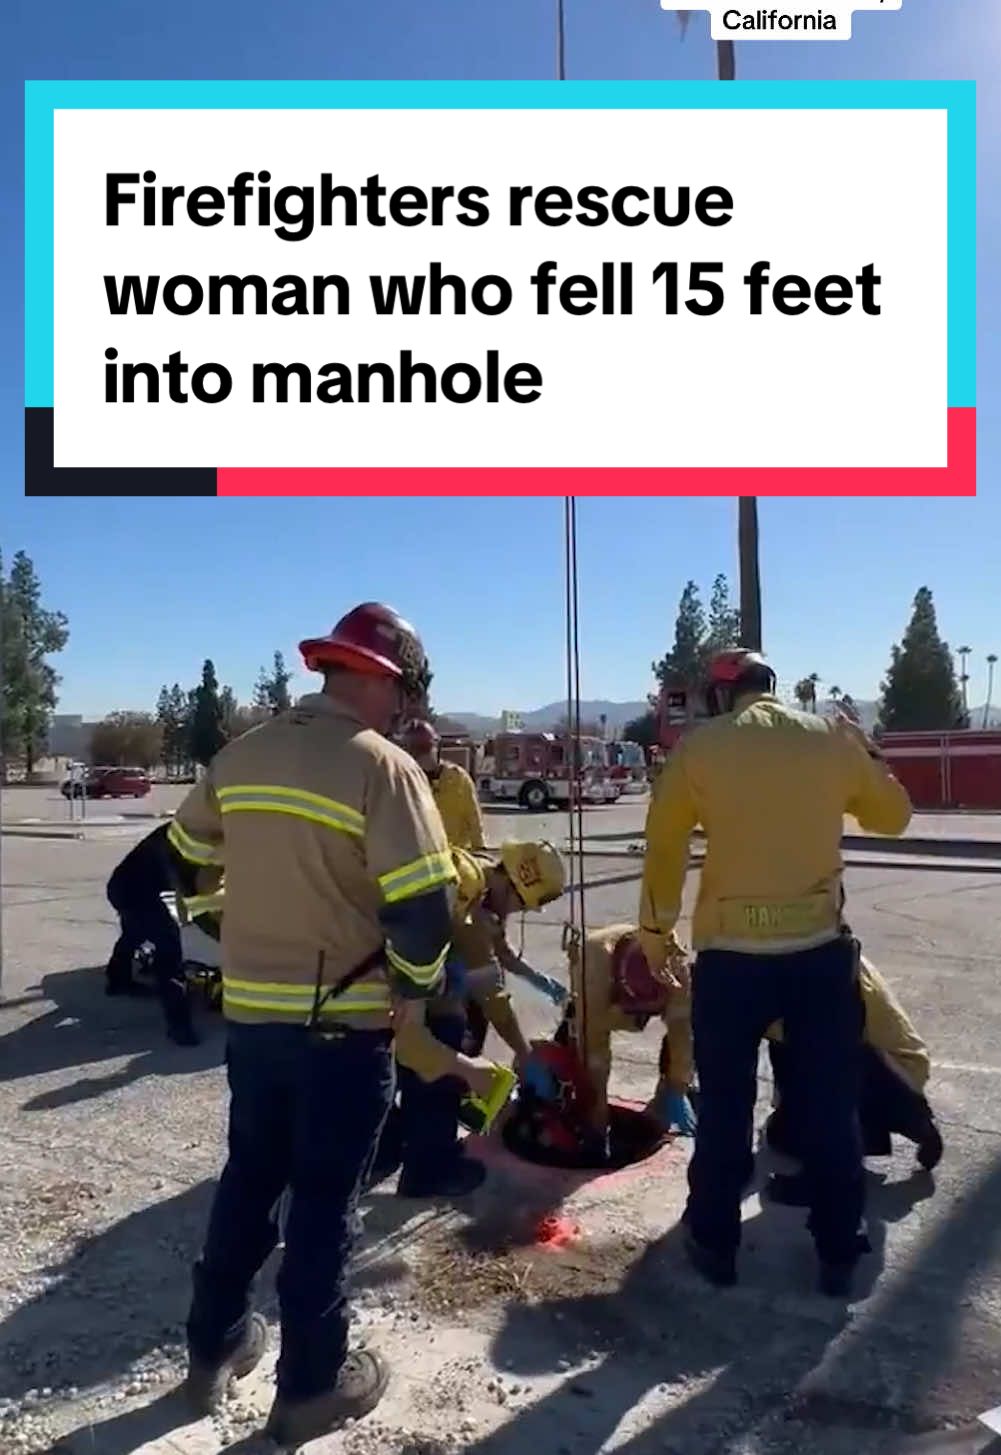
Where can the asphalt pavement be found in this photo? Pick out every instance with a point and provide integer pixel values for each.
(112, 1139)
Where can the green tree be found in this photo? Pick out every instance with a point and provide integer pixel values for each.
(805, 692)
(683, 665)
(173, 717)
(207, 731)
(228, 710)
(724, 618)
(921, 693)
(643, 730)
(271, 690)
(29, 634)
(127, 739)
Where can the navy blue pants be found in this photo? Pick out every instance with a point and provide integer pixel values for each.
(422, 1132)
(305, 1114)
(735, 998)
(145, 918)
(887, 1104)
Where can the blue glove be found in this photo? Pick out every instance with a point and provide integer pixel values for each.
(540, 1081)
(674, 1111)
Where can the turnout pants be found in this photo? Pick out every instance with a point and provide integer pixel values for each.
(305, 1114)
(145, 918)
(887, 1105)
(735, 997)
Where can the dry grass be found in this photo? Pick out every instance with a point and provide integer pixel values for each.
(453, 1276)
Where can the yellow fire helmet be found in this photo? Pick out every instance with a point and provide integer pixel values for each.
(536, 870)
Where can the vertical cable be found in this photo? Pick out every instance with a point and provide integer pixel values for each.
(575, 765)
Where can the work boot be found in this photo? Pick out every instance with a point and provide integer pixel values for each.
(361, 1383)
(206, 1384)
(720, 1269)
(458, 1179)
(930, 1148)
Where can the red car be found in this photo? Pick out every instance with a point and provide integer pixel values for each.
(110, 783)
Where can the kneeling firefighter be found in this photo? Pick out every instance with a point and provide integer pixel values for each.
(895, 1071)
(421, 1135)
(135, 892)
(563, 1114)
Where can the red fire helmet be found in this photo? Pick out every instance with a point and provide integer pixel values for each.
(371, 638)
(727, 668)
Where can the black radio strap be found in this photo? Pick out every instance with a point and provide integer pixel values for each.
(321, 996)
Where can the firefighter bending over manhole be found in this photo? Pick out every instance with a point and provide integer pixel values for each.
(563, 1116)
(895, 1071)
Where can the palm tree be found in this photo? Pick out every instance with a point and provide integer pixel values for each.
(991, 660)
(814, 681)
(962, 654)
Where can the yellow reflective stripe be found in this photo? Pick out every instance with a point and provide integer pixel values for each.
(204, 903)
(418, 877)
(278, 998)
(196, 851)
(423, 975)
(272, 798)
(344, 1006)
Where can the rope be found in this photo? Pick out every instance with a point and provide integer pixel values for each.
(576, 927)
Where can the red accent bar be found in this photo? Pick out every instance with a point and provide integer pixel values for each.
(959, 477)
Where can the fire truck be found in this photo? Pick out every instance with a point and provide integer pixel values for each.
(628, 766)
(677, 711)
(960, 769)
(533, 770)
(458, 748)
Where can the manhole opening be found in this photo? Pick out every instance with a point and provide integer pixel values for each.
(633, 1137)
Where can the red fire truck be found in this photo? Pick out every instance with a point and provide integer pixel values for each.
(531, 769)
(628, 766)
(959, 769)
(675, 714)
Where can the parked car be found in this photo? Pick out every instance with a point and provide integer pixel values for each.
(109, 783)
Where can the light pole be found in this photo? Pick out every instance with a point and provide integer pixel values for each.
(964, 676)
(991, 661)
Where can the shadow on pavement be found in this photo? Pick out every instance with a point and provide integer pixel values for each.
(125, 1433)
(770, 1366)
(86, 1027)
(119, 1295)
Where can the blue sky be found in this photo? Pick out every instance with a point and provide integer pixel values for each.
(152, 587)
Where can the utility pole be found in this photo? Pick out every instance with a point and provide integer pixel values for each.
(747, 505)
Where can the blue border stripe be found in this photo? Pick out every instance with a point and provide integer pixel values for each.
(42, 98)
(962, 245)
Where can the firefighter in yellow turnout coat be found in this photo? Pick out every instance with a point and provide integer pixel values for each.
(337, 925)
(770, 787)
(423, 1134)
